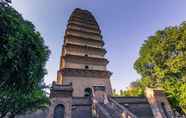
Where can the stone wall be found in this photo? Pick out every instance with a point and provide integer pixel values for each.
(66, 101)
(80, 83)
(37, 114)
(159, 103)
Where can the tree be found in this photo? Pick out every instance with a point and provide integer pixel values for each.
(136, 88)
(23, 56)
(162, 63)
(114, 92)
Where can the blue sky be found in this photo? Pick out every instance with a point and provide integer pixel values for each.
(125, 24)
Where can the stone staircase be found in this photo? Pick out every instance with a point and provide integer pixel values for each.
(111, 109)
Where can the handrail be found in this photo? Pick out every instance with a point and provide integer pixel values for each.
(102, 112)
(124, 109)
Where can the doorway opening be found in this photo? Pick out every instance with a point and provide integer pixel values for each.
(59, 111)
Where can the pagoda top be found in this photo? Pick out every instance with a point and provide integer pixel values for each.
(80, 10)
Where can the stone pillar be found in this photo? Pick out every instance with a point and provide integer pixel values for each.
(159, 103)
(61, 95)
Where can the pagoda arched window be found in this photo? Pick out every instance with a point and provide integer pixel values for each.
(87, 92)
(86, 67)
(59, 111)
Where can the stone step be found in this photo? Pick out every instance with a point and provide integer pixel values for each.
(114, 113)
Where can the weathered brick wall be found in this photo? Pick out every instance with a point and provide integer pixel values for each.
(66, 101)
(80, 83)
(159, 103)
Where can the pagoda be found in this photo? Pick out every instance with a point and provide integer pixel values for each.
(83, 61)
(83, 88)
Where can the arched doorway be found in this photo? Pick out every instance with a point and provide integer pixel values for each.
(87, 92)
(59, 111)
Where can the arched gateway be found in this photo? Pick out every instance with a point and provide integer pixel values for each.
(59, 111)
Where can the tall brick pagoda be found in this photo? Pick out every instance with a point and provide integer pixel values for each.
(83, 88)
(82, 59)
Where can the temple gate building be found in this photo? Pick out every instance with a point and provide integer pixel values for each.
(83, 88)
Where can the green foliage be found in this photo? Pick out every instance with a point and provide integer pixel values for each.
(137, 90)
(162, 64)
(114, 93)
(22, 64)
(132, 92)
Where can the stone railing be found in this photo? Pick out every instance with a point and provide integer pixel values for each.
(101, 111)
(110, 109)
(125, 113)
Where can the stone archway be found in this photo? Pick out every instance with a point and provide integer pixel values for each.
(59, 111)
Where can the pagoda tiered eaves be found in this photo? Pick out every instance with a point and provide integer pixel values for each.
(83, 21)
(83, 30)
(85, 73)
(72, 38)
(83, 34)
(83, 53)
(86, 60)
(83, 25)
(85, 15)
(84, 18)
(71, 46)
